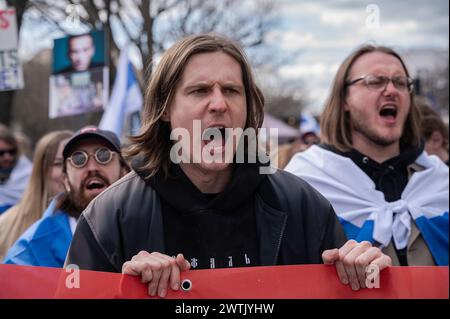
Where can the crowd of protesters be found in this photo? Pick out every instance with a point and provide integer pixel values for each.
(370, 188)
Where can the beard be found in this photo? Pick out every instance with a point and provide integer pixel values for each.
(362, 126)
(77, 196)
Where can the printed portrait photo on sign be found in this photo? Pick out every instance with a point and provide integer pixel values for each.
(80, 80)
(78, 53)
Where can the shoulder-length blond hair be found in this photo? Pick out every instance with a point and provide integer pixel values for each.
(335, 122)
(153, 144)
(36, 196)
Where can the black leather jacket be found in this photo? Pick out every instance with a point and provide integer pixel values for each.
(127, 218)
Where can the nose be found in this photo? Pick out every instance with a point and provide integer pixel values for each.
(8, 156)
(7, 159)
(218, 102)
(92, 164)
(390, 88)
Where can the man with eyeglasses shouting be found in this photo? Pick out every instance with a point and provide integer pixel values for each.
(15, 170)
(92, 161)
(371, 165)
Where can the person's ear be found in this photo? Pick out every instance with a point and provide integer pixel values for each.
(436, 139)
(66, 183)
(166, 115)
(346, 106)
(124, 169)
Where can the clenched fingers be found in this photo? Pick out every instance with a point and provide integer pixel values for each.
(354, 258)
(161, 273)
(182, 265)
(363, 261)
(331, 257)
(356, 279)
(156, 269)
(340, 267)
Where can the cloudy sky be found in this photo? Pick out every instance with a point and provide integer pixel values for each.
(322, 33)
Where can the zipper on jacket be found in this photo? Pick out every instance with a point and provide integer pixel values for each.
(279, 240)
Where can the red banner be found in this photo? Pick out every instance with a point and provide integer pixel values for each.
(277, 282)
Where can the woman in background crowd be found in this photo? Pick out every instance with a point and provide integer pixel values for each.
(45, 182)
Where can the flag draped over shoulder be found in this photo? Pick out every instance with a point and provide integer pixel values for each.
(363, 210)
(12, 190)
(126, 97)
(46, 242)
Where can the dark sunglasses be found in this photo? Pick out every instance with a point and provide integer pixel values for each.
(102, 156)
(11, 152)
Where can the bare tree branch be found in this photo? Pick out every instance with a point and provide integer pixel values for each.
(152, 25)
(126, 30)
(45, 12)
(167, 6)
(92, 11)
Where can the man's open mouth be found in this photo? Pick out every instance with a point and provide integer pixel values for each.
(214, 137)
(388, 112)
(96, 184)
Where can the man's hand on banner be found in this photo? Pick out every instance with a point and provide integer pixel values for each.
(352, 260)
(158, 270)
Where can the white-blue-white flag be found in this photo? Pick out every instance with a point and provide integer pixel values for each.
(126, 97)
(308, 124)
(363, 210)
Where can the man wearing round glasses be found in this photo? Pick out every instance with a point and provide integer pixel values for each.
(92, 162)
(371, 165)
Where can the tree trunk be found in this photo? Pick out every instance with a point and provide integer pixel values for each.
(148, 30)
(6, 99)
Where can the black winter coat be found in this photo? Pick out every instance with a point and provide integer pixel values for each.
(127, 218)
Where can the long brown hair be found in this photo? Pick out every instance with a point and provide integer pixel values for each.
(335, 122)
(153, 143)
(37, 195)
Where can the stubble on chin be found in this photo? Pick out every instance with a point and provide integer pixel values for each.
(364, 128)
(79, 199)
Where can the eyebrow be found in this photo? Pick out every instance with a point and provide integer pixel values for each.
(233, 85)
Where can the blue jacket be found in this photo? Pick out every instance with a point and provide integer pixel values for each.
(45, 243)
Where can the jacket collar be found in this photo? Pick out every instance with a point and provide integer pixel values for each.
(178, 191)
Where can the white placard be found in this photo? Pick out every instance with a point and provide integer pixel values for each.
(11, 75)
(76, 93)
